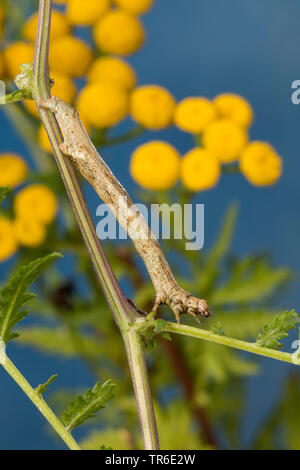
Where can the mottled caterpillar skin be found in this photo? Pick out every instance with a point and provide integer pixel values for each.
(78, 146)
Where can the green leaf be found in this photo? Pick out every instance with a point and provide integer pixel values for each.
(15, 295)
(253, 279)
(44, 387)
(3, 192)
(159, 328)
(60, 341)
(85, 406)
(277, 330)
(217, 329)
(160, 325)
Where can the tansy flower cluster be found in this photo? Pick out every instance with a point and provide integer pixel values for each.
(110, 93)
(34, 207)
(220, 128)
(117, 30)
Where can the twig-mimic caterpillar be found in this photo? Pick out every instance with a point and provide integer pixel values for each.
(78, 146)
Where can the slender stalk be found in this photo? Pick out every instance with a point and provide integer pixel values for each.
(124, 313)
(121, 309)
(137, 364)
(40, 403)
(231, 342)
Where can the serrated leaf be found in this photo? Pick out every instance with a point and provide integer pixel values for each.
(15, 295)
(85, 406)
(277, 330)
(217, 329)
(42, 388)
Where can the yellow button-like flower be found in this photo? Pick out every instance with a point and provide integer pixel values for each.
(155, 165)
(87, 12)
(69, 55)
(15, 55)
(63, 87)
(36, 202)
(113, 70)
(29, 232)
(225, 140)
(103, 104)
(2, 66)
(234, 107)
(260, 164)
(13, 170)
(119, 32)
(59, 26)
(44, 139)
(194, 114)
(200, 170)
(152, 106)
(137, 7)
(8, 242)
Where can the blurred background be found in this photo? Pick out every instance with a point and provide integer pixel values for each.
(193, 48)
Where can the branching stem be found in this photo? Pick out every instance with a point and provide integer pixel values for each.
(124, 313)
(231, 342)
(40, 403)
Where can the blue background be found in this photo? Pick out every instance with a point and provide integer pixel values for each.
(202, 47)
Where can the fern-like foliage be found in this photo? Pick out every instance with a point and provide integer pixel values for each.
(277, 330)
(15, 295)
(85, 406)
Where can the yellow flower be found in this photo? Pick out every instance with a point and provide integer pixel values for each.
(102, 104)
(137, 7)
(44, 139)
(2, 65)
(87, 12)
(225, 140)
(59, 26)
(200, 170)
(29, 232)
(69, 55)
(260, 164)
(36, 202)
(8, 242)
(234, 107)
(155, 165)
(119, 32)
(63, 87)
(152, 106)
(13, 169)
(15, 55)
(194, 114)
(113, 70)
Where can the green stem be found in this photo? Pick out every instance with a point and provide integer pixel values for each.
(101, 139)
(231, 342)
(14, 97)
(123, 312)
(137, 363)
(40, 403)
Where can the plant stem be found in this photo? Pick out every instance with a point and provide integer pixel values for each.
(231, 342)
(123, 312)
(137, 364)
(40, 403)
